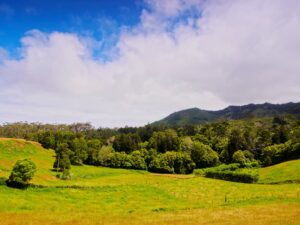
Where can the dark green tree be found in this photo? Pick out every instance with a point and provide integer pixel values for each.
(47, 139)
(62, 158)
(80, 151)
(236, 142)
(126, 142)
(93, 149)
(22, 172)
(164, 141)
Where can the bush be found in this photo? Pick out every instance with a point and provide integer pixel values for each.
(160, 165)
(172, 162)
(66, 175)
(137, 161)
(239, 157)
(120, 160)
(22, 172)
(232, 172)
(245, 177)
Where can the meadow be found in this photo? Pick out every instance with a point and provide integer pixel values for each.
(99, 195)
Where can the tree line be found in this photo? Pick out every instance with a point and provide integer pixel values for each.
(166, 149)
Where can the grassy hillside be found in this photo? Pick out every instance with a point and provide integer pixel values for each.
(12, 150)
(116, 196)
(281, 173)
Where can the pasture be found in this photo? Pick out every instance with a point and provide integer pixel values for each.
(98, 195)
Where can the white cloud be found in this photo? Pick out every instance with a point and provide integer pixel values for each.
(237, 52)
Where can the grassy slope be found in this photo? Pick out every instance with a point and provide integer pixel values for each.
(118, 196)
(281, 173)
(13, 149)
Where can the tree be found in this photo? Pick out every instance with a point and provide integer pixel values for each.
(126, 142)
(236, 142)
(203, 155)
(183, 163)
(22, 172)
(137, 161)
(164, 141)
(239, 157)
(280, 135)
(94, 147)
(62, 158)
(47, 139)
(79, 147)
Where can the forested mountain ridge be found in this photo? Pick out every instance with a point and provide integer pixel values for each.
(199, 116)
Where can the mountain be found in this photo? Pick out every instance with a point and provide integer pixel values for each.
(199, 116)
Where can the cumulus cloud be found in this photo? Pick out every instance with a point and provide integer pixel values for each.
(229, 52)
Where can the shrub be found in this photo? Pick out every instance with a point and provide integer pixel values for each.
(137, 161)
(160, 165)
(120, 160)
(66, 175)
(22, 172)
(245, 177)
(172, 162)
(232, 172)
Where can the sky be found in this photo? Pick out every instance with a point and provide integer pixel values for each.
(116, 63)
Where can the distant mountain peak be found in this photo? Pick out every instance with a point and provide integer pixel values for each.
(199, 116)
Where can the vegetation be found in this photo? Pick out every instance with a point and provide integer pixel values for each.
(118, 196)
(238, 172)
(286, 172)
(255, 161)
(22, 172)
(164, 149)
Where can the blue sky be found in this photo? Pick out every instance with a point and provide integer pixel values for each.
(94, 18)
(116, 63)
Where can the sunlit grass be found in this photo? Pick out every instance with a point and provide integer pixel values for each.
(98, 195)
(280, 173)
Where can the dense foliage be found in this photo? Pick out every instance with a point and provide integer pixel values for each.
(237, 172)
(22, 172)
(165, 149)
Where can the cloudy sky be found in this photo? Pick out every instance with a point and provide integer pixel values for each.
(116, 63)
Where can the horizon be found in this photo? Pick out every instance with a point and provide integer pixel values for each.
(134, 62)
(149, 123)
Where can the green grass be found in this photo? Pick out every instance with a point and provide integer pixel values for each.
(98, 195)
(281, 173)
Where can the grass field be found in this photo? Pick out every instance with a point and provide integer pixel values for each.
(287, 172)
(99, 195)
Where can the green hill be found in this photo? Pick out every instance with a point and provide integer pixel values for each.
(199, 116)
(12, 150)
(286, 172)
